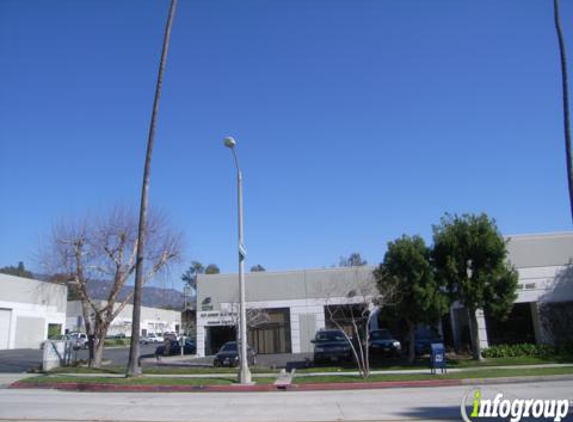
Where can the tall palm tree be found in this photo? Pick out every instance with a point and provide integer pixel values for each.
(569, 157)
(133, 366)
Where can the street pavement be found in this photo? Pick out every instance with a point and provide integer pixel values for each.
(411, 404)
(24, 360)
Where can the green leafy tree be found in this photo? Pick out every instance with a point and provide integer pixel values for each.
(470, 257)
(73, 290)
(190, 276)
(408, 271)
(257, 268)
(18, 271)
(354, 260)
(212, 269)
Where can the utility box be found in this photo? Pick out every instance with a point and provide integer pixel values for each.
(57, 353)
(438, 358)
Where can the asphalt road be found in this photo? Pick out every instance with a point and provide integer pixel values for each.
(412, 404)
(23, 360)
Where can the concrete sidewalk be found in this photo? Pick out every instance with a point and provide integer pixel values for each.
(6, 379)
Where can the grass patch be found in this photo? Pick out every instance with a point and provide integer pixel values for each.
(486, 373)
(423, 363)
(130, 381)
(86, 370)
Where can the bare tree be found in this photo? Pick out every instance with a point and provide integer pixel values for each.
(350, 305)
(104, 248)
(565, 93)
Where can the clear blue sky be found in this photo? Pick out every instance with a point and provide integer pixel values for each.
(356, 121)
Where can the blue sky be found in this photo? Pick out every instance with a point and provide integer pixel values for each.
(356, 121)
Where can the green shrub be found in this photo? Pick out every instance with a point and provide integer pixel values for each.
(519, 350)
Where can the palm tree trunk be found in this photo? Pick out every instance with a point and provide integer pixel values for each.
(569, 157)
(133, 366)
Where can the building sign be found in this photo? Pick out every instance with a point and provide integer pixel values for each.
(219, 318)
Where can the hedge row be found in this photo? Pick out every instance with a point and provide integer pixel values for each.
(519, 350)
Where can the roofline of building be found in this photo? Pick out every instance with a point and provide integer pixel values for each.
(372, 267)
(306, 270)
(539, 235)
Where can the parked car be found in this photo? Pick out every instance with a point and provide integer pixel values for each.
(229, 356)
(81, 340)
(172, 348)
(424, 339)
(331, 345)
(151, 338)
(145, 339)
(170, 335)
(382, 343)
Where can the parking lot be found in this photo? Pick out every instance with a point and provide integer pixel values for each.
(24, 360)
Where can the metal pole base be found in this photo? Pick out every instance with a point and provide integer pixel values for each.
(245, 376)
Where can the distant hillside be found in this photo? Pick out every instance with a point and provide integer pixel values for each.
(154, 297)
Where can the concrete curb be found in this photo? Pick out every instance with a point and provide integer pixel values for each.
(100, 387)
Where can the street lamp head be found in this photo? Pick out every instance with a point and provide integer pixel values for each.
(229, 142)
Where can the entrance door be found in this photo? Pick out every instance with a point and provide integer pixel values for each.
(217, 336)
(5, 317)
(266, 339)
(272, 332)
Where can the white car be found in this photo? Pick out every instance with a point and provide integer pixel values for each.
(81, 340)
(152, 338)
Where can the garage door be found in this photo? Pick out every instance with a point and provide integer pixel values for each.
(5, 317)
(29, 332)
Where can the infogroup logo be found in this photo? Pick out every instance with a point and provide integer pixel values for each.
(512, 409)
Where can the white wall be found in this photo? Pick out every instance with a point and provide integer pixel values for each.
(28, 306)
(47, 315)
(153, 320)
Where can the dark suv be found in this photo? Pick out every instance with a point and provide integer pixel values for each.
(331, 345)
(172, 347)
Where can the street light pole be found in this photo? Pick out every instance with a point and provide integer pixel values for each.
(244, 372)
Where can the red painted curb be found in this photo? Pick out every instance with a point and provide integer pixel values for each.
(100, 387)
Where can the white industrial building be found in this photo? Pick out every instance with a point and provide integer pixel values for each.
(29, 309)
(153, 320)
(545, 266)
(295, 302)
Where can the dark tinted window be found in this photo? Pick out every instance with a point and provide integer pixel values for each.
(229, 347)
(330, 336)
(381, 335)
